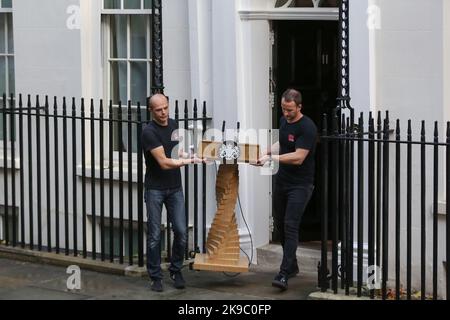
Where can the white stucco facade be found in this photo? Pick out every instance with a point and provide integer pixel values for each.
(410, 83)
(48, 55)
(221, 52)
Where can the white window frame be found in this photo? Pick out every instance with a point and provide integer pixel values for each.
(106, 58)
(126, 11)
(7, 55)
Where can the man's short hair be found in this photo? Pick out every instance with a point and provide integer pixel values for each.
(293, 95)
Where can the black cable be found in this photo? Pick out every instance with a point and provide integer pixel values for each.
(249, 232)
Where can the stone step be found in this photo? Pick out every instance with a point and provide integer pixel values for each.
(308, 256)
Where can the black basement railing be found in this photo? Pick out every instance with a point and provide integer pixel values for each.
(78, 187)
(388, 205)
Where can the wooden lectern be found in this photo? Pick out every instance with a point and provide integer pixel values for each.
(222, 245)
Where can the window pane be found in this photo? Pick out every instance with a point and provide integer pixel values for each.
(116, 240)
(1, 124)
(7, 3)
(128, 79)
(138, 36)
(119, 82)
(10, 34)
(112, 4)
(118, 36)
(132, 4)
(2, 76)
(135, 118)
(2, 32)
(11, 127)
(148, 4)
(123, 136)
(11, 75)
(138, 82)
(120, 138)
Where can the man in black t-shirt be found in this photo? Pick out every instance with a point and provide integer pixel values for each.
(294, 181)
(163, 186)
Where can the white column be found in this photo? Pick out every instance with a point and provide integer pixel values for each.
(200, 39)
(91, 53)
(177, 73)
(239, 73)
(224, 65)
(254, 113)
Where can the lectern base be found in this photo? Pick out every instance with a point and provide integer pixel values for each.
(203, 262)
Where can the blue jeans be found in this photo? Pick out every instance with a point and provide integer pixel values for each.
(173, 199)
(289, 205)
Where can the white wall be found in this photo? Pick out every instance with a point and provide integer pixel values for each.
(47, 62)
(359, 57)
(200, 41)
(446, 59)
(224, 65)
(47, 52)
(409, 83)
(360, 81)
(176, 51)
(177, 76)
(52, 59)
(409, 52)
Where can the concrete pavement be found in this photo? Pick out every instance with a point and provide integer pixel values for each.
(31, 281)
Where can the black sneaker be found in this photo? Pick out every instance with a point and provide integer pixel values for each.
(293, 273)
(157, 285)
(280, 282)
(178, 279)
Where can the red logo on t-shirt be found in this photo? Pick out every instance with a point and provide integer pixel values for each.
(291, 138)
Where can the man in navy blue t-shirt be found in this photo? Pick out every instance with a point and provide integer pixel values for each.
(163, 186)
(294, 181)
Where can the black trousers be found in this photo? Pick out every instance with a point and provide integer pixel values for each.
(289, 206)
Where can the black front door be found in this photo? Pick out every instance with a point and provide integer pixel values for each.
(305, 58)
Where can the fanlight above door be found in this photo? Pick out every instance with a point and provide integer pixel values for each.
(305, 3)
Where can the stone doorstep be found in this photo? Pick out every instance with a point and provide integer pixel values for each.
(272, 255)
(329, 295)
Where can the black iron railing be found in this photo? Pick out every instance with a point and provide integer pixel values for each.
(80, 188)
(372, 162)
